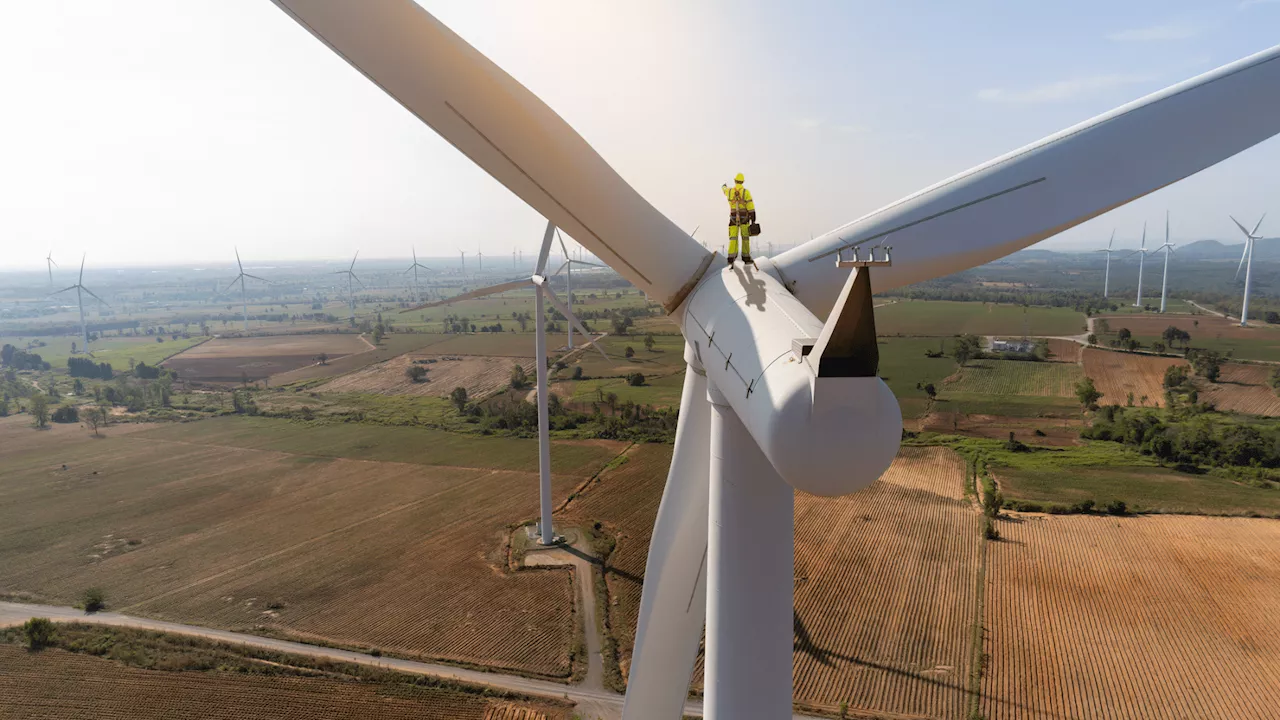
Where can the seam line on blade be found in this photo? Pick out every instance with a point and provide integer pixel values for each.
(971, 203)
(1055, 141)
(701, 566)
(538, 185)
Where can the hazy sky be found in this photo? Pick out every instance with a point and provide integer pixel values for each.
(164, 132)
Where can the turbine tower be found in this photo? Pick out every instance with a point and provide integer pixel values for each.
(464, 261)
(80, 289)
(567, 267)
(414, 267)
(351, 295)
(1106, 277)
(1167, 247)
(1142, 253)
(541, 291)
(1246, 259)
(51, 265)
(781, 392)
(244, 301)
(479, 260)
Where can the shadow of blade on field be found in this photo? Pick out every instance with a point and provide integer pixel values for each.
(606, 568)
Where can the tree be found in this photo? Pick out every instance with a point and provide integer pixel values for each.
(416, 373)
(94, 600)
(635, 379)
(65, 414)
(94, 418)
(577, 372)
(1123, 334)
(1101, 326)
(459, 398)
(629, 352)
(1092, 339)
(1158, 347)
(40, 410)
(649, 342)
(77, 387)
(966, 348)
(323, 358)
(931, 391)
(39, 633)
(1087, 394)
(519, 378)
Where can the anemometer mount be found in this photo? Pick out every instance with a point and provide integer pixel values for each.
(847, 346)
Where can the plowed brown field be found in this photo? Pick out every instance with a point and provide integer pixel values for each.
(1242, 388)
(69, 686)
(229, 360)
(886, 581)
(1147, 617)
(1201, 327)
(1116, 374)
(479, 375)
(1064, 350)
(184, 523)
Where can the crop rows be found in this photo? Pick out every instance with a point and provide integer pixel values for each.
(1116, 374)
(1168, 616)
(58, 684)
(1015, 377)
(479, 375)
(1243, 389)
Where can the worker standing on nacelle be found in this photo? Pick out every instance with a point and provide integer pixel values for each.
(742, 219)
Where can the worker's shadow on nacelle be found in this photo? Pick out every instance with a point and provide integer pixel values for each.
(755, 287)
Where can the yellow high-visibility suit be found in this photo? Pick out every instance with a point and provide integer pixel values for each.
(742, 212)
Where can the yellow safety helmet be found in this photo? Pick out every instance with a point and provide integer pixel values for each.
(738, 178)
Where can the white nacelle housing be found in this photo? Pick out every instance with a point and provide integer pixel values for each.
(825, 436)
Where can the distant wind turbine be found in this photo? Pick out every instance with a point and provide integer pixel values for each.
(1106, 278)
(80, 288)
(1141, 261)
(464, 261)
(538, 281)
(479, 260)
(1249, 239)
(414, 267)
(51, 265)
(351, 275)
(567, 267)
(1167, 247)
(244, 302)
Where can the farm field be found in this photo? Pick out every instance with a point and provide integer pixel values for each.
(228, 360)
(658, 391)
(1242, 389)
(1013, 406)
(667, 357)
(115, 351)
(1212, 332)
(1016, 377)
(1143, 617)
(903, 366)
(375, 537)
(1064, 350)
(1116, 374)
(478, 374)
(55, 683)
(946, 318)
(1055, 432)
(392, 345)
(905, 551)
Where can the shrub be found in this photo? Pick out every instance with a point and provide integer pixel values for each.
(39, 633)
(629, 352)
(65, 414)
(416, 373)
(94, 600)
(989, 530)
(1084, 506)
(635, 379)
(1117, 507)
(577, 372)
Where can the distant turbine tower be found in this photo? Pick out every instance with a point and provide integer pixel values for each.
(464, 261)
(414, 267)
(568, 280)
(51, 265)
(1249, 239)
(1167, 247)
(243, 298)
(351, 275)
(1141, 261)
(479, 260)
(541, 291)
(1106, 278)
(79, 288)
(513, 259)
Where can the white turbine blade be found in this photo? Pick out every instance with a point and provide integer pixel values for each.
(584, 262)
(1166, 227)
(545, 250)
(1243, 254)
(563, 249)
(52, 261)
(255, 277)
(1112, 240)
(70, 287)
(673, 603)
(356, 278)
(1054, 184)
(563, 265)
(353, 261)
(696, 229)
(491, 290)
(95, 297)
(238, 263)
(1144, 236)
(1247, 234)
(565, 311)
(510, 133)
(81, 280)
(1255, 227)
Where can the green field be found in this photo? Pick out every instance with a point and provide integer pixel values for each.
(116, 351)
(943, 318)
(667, 357)
(1172, 306)
(903, 365)
(1014, 377)
(659, 392)
(1142, 488)
(1260, 348)
(1020, 406)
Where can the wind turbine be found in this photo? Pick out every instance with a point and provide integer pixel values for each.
(541, 291)
(1167, 247)
(351, 295)
(479, 260)
(1106, 278)
(244, 301)
(51, 265)
(775, 398)
(1250, 237)
(414, 267)
(567, 267)
(1142, 252)
(464, 262)
(80, 288)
